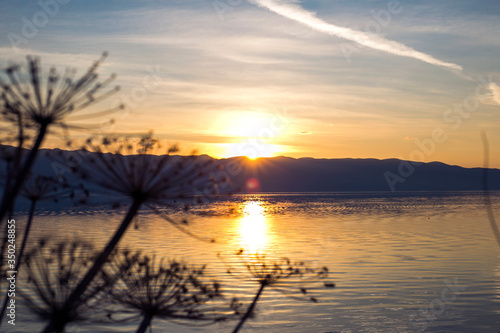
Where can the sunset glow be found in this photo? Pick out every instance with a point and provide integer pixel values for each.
(253, 149)
(259, 165)
(266, 78)
(255, 134)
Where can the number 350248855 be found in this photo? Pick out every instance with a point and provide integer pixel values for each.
(11, 251)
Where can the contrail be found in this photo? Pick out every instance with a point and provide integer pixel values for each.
(299, 14)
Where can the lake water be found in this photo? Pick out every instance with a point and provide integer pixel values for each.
(404, 262)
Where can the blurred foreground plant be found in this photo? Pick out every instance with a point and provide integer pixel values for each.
(53, 271)
(176, 292)
(30, 104)
(36, 189)
(486, 191)
(276, 275)
(131, 170)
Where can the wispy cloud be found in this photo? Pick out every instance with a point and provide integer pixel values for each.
(294, 12)
(81, 62)
(495, 92)
(491, 95)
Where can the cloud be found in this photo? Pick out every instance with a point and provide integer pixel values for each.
(492, 96)
(294, 12)
(495, 92)
(81, 62)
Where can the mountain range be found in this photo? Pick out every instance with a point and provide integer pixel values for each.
(285, 174)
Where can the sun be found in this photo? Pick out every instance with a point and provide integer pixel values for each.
(254, 134)
(252, 150)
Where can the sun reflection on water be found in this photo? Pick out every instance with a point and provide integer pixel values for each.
(253, 228)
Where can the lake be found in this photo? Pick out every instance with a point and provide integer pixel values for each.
(401, 262)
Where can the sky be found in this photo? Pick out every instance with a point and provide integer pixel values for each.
(415, 80)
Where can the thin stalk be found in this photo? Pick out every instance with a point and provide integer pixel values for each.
(17, 157)
(74, 298)
(8, 198)
(21, 251)
(486, 191)
(26, 234)
(146, 321)
(250, 308)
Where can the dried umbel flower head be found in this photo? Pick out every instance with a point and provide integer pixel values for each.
(41, 102)
(40, 188)
(146, 173)
(272, 272)
(147, 179)
(34, 104)
(280, 275)
(53, 270)
(37, 189)
(173, 291)
(141, 169)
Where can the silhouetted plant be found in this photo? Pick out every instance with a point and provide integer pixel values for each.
(145, 179)
(175, 292)
(36, 189)
(14, 136)
(30, 104)
(53, 271)
(11, 156)
(486, 191)
(274, 274)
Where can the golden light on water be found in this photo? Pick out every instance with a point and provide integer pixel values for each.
(253, 228)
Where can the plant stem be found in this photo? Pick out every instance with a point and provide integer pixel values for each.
(250, 308)
(16, 160)
(9, 198)
(26, 234)
(21, 251)
(74, 298)
(146, 321)
(486, 191)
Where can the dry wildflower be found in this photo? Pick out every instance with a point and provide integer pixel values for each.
(141, 169)
(144, 178)
(33, 103)
(276, 274)
(53, 271)
(36, 189)
(172, 291)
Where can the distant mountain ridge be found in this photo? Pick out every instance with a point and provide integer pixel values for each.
(286, 174)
